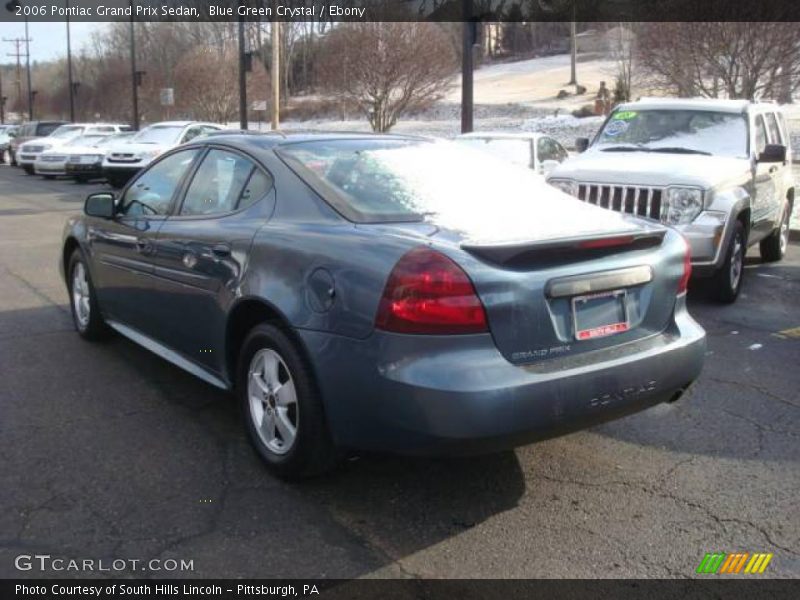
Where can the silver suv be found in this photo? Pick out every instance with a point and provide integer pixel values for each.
(717, 170)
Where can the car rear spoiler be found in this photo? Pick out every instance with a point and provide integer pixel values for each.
(564, 250)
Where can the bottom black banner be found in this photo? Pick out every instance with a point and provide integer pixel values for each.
(400, 589)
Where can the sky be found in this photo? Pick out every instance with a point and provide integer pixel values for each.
(48, 40)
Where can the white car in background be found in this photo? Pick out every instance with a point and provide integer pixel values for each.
(85, 163)
(536, 151)
(124, 161)
(52, 163)
(29, 152)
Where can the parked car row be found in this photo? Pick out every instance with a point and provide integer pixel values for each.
(85, 151)
(413, 295)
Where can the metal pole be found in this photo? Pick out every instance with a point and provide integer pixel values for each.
(2, 100)
(134, 90)
(69, 70)
(242, 78)
(467, 90)
(28, 69)
(276, 75)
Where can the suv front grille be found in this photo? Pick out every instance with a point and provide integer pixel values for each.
(634, 200)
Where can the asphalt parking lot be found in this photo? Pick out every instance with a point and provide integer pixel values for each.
(109, 452)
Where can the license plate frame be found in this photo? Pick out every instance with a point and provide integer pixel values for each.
(596, 331)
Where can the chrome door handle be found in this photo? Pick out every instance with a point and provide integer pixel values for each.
(143, 246)
(221, 250)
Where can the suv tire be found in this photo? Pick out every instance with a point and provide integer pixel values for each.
(28, 169)
(281, 406)
(727, 281)
(774, 247)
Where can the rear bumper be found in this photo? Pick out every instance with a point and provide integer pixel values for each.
(458, 395)
(41, 168)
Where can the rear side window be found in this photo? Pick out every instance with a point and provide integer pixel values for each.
(774, 130)
(224, 182)
(548, 149)
(761, 135)
(46, 128)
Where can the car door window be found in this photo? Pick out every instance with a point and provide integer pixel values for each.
(151, 193)
(191, 133)
(761, 135)
(546, 149)
(773, 129)
(224, 182)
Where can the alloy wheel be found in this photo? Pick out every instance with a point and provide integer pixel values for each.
(737, 262)
(80, 295)
(273, 401)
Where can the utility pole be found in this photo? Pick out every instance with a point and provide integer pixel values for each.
(573, 47)
(69, 71)
(242, 77)
(28, 70)
(134, 76)
(468, 35)
(18, 55)
(275, 76)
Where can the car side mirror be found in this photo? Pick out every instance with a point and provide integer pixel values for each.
(101, 204)
(773, 153)
(581, 144)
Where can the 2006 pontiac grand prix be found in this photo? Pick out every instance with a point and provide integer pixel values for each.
(385, 293)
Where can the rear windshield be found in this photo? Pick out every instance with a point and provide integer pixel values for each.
(158, 134)
(406, 180)
(44, 129)
(67, 131)
(515, 150)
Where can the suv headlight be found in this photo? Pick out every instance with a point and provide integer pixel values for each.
(683, 205)
(565, 185)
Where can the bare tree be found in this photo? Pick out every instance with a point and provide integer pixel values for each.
(622, 47)
(735, 60)
(387, 69)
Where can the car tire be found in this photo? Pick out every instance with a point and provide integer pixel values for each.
(81, 179)
(773, 248)
(28, 169)
(727, 281)
(287, 428)
(86, 314)
(49, 177)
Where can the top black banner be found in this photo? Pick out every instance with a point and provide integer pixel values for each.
(400, 10)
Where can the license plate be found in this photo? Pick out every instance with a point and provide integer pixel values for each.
(600, 315)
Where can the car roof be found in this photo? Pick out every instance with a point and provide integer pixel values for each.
(711, 104)
(509, 135)
(181, 124)
(273, 139)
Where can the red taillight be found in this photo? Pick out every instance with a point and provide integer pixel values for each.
(429, 293)
(683, 284)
